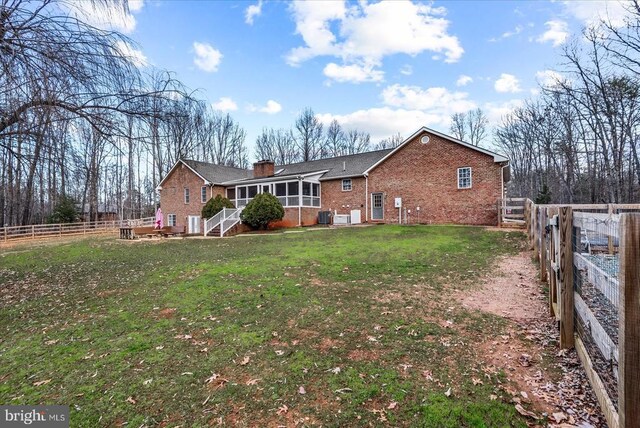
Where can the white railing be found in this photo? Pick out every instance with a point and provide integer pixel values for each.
(213, 222)
(226, 219)
(231, 218)
(43, 231)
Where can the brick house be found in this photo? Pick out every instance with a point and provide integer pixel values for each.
(429, 178)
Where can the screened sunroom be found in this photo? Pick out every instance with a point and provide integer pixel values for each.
(291, 191)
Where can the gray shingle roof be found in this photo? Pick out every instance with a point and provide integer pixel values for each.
(218, 173)
(341, 166)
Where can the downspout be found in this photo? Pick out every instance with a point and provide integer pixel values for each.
(366, 197)
(299, 201)
(502, 180)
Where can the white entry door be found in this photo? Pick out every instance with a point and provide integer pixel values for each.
(194, 224)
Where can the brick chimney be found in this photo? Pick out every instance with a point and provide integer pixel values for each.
(263, 168)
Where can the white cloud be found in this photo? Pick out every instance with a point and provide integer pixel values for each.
(407, 70)
(557, 32)
(507, 83)
(352, 73)
(384, 122)
(252, 11)
(132, 54)
(438, 99)
(496, 111)
(272, 107)
(225, 104)
(207, 57)
(107, 17)
(593, 11)
(464, 80)
(406, 109)
(508, 34)
(363, 33)
(136, 5)
(549, 78)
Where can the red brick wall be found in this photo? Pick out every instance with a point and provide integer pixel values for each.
(263, 169)
(425, 175)
(309, 217)
(334, 199)
(172, 195)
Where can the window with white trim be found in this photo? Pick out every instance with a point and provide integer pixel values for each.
(171, 220)
(203, 194)
(186, 195)
(464, 178)
(346, 185)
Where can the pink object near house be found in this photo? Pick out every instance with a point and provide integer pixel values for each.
(159, 224)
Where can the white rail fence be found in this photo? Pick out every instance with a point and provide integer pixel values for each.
(46, 231)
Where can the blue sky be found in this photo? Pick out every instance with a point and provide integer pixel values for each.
(382, 67)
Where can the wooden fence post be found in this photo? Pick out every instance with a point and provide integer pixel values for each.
(610, 238)
(534, 228)
(527, 217)
(629, 334)
(566, 278)
(552, 260)
(543, 244)
(532, 224)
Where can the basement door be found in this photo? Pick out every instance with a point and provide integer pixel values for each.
(194, 224)
(377, 209)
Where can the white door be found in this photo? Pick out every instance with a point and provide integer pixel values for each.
(355, 217)
(194, 224)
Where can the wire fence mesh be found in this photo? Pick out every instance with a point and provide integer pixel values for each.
(596, 248)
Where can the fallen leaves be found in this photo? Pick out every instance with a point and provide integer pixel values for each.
(245, 361)
(525, 412)
(301, 390)
(559, 417)
(282, 410)
(131, 400)
(212, 378)
(427, 374)
(524, 360)
(41, 382)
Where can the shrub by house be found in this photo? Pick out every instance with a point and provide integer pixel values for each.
(262, 210)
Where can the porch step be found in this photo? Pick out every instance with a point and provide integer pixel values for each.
(215, 232)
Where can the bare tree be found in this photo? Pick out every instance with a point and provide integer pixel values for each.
(309, 135)
(335, 142)
(277, 145)
(470, 126)
(458, 128)
(390, 143)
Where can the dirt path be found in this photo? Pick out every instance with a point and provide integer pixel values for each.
(547, 384)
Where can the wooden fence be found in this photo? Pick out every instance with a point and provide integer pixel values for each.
(590, 257)
(44, 231)
(511, 211)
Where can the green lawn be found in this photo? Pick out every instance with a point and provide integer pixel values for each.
(349, 327)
